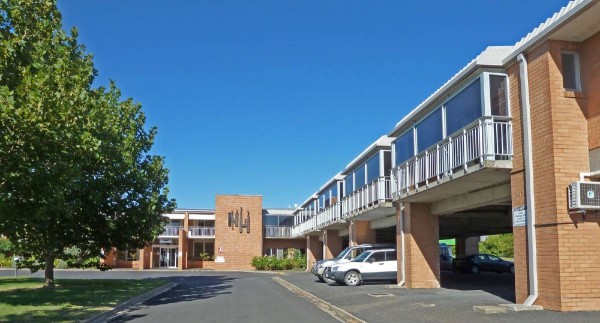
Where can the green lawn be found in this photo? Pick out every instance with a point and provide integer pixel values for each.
(25, 299)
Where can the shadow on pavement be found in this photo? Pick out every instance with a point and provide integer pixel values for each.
(501, 285)
(188, 289)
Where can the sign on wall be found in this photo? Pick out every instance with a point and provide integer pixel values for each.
(519, 216)
(236, 219)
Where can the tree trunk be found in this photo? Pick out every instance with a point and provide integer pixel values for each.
(49, 272)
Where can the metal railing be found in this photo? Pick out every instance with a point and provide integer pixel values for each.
(487, 138)
(195, 232)
(170, 231)
(277, 232)
(369, 195)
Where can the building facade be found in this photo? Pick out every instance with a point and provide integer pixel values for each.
(224, 238)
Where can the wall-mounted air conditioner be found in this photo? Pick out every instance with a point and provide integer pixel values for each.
(584, 195)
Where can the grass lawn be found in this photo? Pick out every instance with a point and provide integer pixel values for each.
(25, 299)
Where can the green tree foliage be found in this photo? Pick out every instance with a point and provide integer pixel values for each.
(75, 166)
(500, 245)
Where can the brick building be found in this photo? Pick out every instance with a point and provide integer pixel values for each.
(223, 239)
(496, 149)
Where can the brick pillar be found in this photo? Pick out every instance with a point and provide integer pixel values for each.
(182, 250)
(361, 232)
(332, 244)
(110, 257)
(422, 251)
(314, 251)
(466, 246)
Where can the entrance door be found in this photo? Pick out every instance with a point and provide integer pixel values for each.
(168, 257)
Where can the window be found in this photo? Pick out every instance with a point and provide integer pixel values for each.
(128, 255)
(390, 255)
(349, 184)
(387, 162)
(404, 147)
(464, 108)
(430, 130)
(373, 168)
(359, 177)
(203, 250)
(499, 95)
(570, 71)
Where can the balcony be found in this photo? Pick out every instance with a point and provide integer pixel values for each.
(201, 232)
(484, 146)
(277, 232)
(367, 198)
(170, 232)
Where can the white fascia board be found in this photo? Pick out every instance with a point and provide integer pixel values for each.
(202, 216)
(551, 24)
(337, 177)
(381, 143)
(280, 211)
(175, 216)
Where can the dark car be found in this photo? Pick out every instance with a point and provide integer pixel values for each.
(483, 262)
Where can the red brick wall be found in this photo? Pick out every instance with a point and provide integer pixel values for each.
(238, 248)
(332, 243)
(568, 260)
(314, 250)
(422, 251)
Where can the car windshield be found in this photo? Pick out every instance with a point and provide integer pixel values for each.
(362, 257)
(343, 253)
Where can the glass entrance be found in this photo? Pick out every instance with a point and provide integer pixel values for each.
(168, 257)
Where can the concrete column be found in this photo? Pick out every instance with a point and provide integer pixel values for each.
(422, 255)
(332, 244)
(466, 246)
(361, 232)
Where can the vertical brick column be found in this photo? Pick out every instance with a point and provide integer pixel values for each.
(235, 244)
(314, 252)
(145, 257)
(332, 244)
(422, 251)
(182, 250)
(361, 232)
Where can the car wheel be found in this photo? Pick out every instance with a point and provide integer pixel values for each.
(511, 269)
(474, 269)
(321, 278)
(352, 278)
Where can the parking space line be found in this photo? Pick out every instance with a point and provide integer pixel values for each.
(334, 311)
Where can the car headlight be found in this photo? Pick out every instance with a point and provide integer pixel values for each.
(319, 265)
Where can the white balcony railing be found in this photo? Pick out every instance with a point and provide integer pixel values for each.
(201, 232)
(369, 195)
(277, 232)
(170, 231)
(488, 138)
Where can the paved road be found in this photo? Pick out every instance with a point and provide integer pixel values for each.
(256, 297)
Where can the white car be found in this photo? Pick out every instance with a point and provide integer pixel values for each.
(322, 266)
(371, 265)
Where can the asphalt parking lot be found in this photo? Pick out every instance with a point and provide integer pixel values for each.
(452, 303)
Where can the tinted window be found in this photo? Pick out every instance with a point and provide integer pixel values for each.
(359, 177)
(569, 71)
(464, 108)
(404, 147)
(498, 95)
(349, 185)
(387, 162)
(377, 257)
(430, 130)
(373, 168)
(361, 257)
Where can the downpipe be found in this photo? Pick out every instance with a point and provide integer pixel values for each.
(402, 257)
(529, 185)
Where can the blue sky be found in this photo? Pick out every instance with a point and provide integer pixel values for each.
(276, 97)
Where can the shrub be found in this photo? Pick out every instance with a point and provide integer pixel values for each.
(294, 260)
(500, 245)
(5, 261)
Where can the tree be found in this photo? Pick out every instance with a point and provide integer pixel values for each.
(75, 162)
(500, 245)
